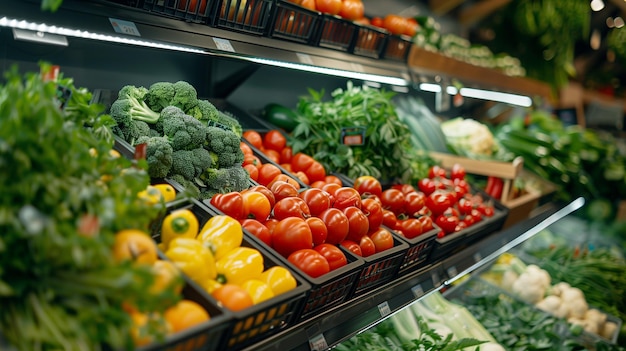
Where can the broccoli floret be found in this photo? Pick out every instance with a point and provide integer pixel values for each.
(185, 96)
(183, 131)
(137, 129)
(224, 144)
(158, 155)
(160, 95)
(190, 163)
(130, 106)
(226, 179)
(154, 132)
(231, 122)
(204, 111)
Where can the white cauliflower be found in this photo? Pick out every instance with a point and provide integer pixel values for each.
(469, 136)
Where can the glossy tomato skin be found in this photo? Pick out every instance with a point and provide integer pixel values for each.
(256, 206)
(333, 254)
(286, 154)
(457, 172)
(291, 234)
(230, 204)
(257, 229)
(368, 185)
(315, 172)
(317, 199)
(346, 197)
(438, 202)
(265, 191)
(267, 173)
(282, 190)
(436, 171)
(333, 179)
(382, 238)
(427, 223)
(358, 225)
(393, 200)
(301, 162)
(389, 219)
(447, 223)
(404, 188)
(426, 185)
(368, 248)
(395, 24)
(310, 262)
(318, 230)
(253, 171)
(413, 202)
(410, 227)
(373, 210)
(352, 9)
(291, 207)
(352, 247)
(254, 138)
(271, 224)
(337, 224)
(274, 140)
(328, 6)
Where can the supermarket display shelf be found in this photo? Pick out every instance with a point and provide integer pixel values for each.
(343, 321)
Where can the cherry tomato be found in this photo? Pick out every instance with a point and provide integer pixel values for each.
(373, 210)
(486, 210)
(315, 172)
(465, 206)
(438, 202)
(301, 162)
(427, 186)
(255, 205)
(230, 204)
(286, 154)
(395, 24)
(253, 171)
(368, 185)
(245, 148)
(382, 238)
(337, 224)
(410, 227)
(291, 234)
(436, 171)
(318, 230)
(352, 9)
(457, 172)
(282, 190)
(460, 226)
(310, 262)
(368, 248)
(345, 197)
(393, 200)
(328, 6)
(257, 229)
(414, 202)
(478, 216)
(447, 223)
(254, 138)
(274, 140)
(333, 179)
(317, 199)
(389, 219)
(335, 257)
(265, 191)
(469, 220)
(267, 173)
(358, 224)
(352, 247)
(291, 207)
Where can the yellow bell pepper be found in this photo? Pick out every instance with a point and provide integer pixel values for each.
(258, 290)
(279, 279)
(193, 258)
(210, 285)
(167, 191)
(239, 265)
(222, 234)
(181, 223)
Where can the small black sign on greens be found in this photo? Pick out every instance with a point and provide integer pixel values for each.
(353, 136)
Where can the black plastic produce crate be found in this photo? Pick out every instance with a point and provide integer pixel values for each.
(257, 322)
(294, 23)
(418, 254)
(248, 16)
(336, 33)
(197, 11)
(370, 41)
(397, 47)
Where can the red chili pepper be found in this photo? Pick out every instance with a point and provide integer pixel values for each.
(494, 187)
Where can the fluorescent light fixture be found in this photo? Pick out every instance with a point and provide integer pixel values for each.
(513, 99)
(39, 37)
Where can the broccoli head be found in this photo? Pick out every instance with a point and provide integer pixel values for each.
(190, 163)
(230, 121)
(185, 96)
(204, 111)
(130, 106)
(183, 131)
(131, 91)
(136, 130)
(226, 179)
(160, 95)
(225, 145)
(158, 155)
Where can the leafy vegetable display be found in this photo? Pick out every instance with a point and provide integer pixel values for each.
(386, 152)
(65, 195)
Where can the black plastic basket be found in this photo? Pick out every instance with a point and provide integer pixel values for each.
(197, 11)
(370, 41)
(418, 254)
(257, 322)
(294, 23)
(248, 16)
(397, 47)
(336, 33)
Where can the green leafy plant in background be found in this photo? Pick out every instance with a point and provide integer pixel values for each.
(616, 41)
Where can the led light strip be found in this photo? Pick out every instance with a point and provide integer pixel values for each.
(513, 99)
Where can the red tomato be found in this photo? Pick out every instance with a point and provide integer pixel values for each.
(274, 140)
(303, 177)
(245, 148)
(182, 5)
(368, 248)
(286, 167)
(271, 224)
(427, 186)
(345, 197)
(378, 22)
(337, 224)
(254, 138)
(285, 178)
(335, 257)
(333, 179)
(257, 229)
(265, 191)
(301, 162)
(290, 235)
(457, 172)
(252, 160)
(328, 6)
(272, 155)
(309, 4)
(330, 188)
(352, 10)
(411, 27)
(255, 205)
(352, 247)
(253, 171)
(318, 230)
(318, 184)
(368, 185)
(282, 190)
(465, 206)
(393, 200)
(267, 173)
(436, 171)
(395, 24)
(315, 172)
(382, 238)
(438, 202)
(389, 219)
(469, 220)
(291, 207)
(486, 210)
(286, 154)
(427, 223)
(358, 224)
(447, 223)
(230, 204)
(404, 188)
(373, 210)
(317, 199)
(414, 202)
(310, 262)
(410, 227)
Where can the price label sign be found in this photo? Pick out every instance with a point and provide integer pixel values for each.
(223, 44)
(435, 278)
(318, 343)
(477, 257)
(124, 27)
(384, 309)
(417, 291)
(304, 58)
(353, 136)
(452, 272)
